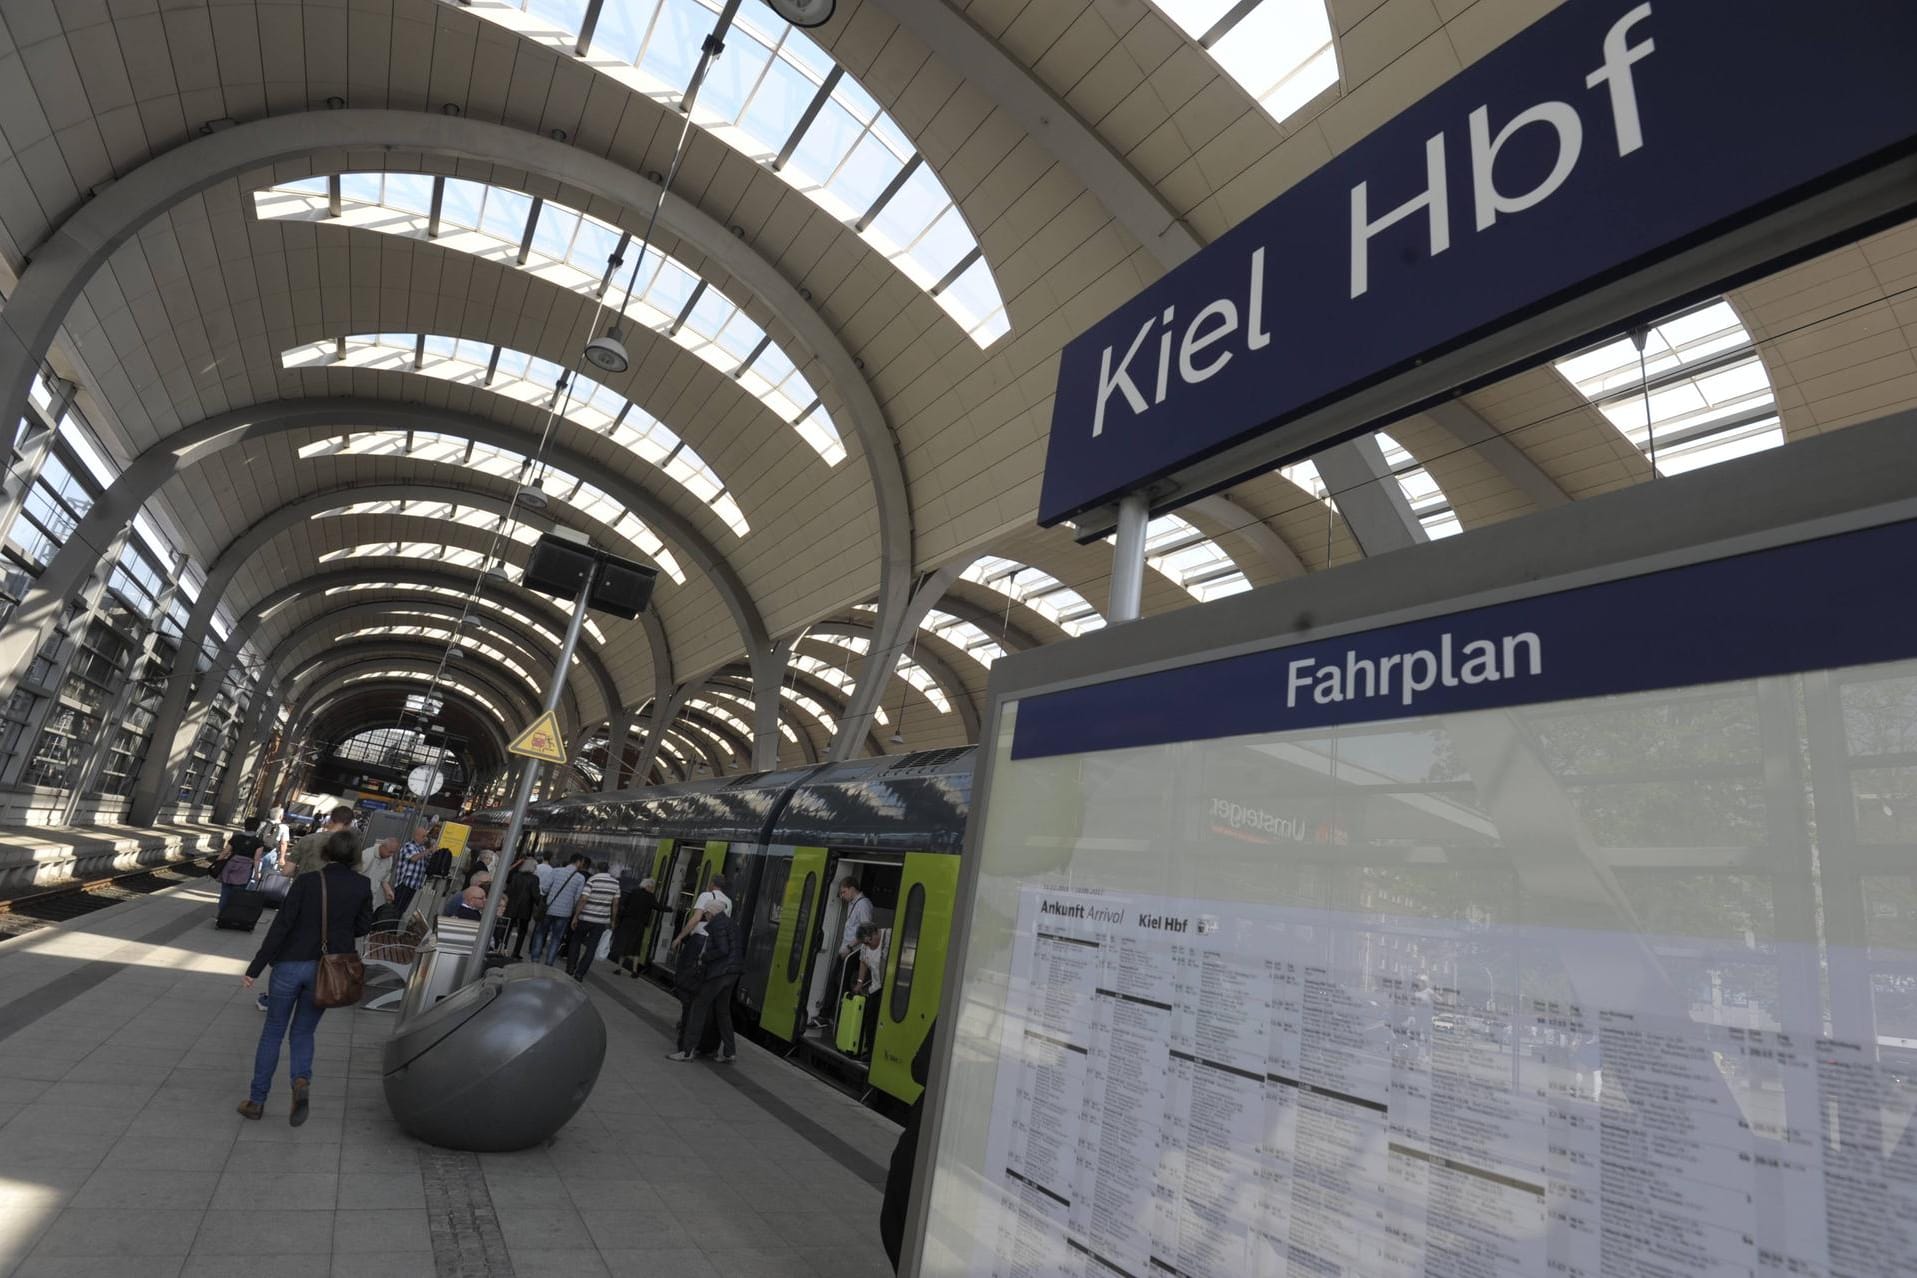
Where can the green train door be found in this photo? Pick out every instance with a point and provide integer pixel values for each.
(915, 970)
(792, 952)
(713, 861)
(661, 855)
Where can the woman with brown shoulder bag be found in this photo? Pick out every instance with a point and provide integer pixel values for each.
(315, 966)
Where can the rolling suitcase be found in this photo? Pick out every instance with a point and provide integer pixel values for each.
(851, 1027)
(242, 913)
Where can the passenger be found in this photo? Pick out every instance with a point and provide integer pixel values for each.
(325, 912)
(273, 834)
(871, 956)
(468, 904)
(307, 853)
(636, 909)
(858, 912)
(520, 903)
(688, 973)
(561, 896)
(409, 872)
(898, 1177)
(544, 869)
(596, 910)
(720, 964)
(234, 869)
(376, 863)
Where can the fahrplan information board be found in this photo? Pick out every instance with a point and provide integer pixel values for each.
(1574, 934)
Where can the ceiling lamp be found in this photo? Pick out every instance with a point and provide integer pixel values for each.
(608, 353)
(533, 496)
(804, 13)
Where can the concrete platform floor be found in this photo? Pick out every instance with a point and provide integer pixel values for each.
(126, 1041)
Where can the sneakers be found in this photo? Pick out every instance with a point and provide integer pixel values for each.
(679, 1056)
(302, 1089)
(726, 1058)
(260, 1002)
(251, 1109)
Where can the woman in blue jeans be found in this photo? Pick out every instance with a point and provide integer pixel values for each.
(292, 946)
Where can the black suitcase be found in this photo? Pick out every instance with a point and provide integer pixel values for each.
(242, 913)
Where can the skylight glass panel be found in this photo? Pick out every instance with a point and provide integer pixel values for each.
(826, 672)
(1198, 564)
(533, 380)
(758, 91)
(571, 249)
(559, 485)
(1039, 591)
(1279, 51)
(447, 592)
(462, 202)
(363, 188)
(965, 636)
(444, 634)
(306, 186)
(505, 213)
(1697, 396)
(412, 192)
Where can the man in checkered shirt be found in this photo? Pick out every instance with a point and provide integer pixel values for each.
(409, 872)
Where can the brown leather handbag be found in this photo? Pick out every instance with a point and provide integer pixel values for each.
(341, 979)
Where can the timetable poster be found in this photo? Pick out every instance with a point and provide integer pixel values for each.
(1201, 1089)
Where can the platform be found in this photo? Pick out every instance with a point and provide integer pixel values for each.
(126, 1041)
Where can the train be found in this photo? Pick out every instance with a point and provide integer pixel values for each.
(784, 841)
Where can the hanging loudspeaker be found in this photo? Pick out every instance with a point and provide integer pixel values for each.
(804, 13)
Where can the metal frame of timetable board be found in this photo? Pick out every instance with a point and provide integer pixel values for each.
(1862, 478)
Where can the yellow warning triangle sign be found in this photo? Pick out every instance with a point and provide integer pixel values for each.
(541, 740)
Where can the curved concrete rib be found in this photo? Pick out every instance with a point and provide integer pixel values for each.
(20, 639)
(71, 256)
(176, 723)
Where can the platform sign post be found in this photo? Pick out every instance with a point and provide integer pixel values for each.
(538, 743)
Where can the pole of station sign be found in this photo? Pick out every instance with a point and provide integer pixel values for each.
(1128, 559)
(475, 964)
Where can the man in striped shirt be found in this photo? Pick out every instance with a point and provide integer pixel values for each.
(597, 910)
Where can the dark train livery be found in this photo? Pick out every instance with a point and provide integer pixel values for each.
(784, 841)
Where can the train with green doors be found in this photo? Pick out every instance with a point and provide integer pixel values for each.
(784, 841)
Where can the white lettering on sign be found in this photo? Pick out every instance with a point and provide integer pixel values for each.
(1217, 321)
(1206, 344)
(1409, 674)
(1490, 203)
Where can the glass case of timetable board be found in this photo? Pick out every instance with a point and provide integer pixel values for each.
(1564, 925)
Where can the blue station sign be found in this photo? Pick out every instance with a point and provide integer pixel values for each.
(1606, 137)
(1708, 623)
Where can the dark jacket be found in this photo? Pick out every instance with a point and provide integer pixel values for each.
(897, 1201)
(636, 909)
(522, 894)
(725, 947)
(295, 934)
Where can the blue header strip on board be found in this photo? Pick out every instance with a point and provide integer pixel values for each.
(1824, 604)
(1607, 136)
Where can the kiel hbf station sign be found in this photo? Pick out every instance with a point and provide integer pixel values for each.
(1607, 138)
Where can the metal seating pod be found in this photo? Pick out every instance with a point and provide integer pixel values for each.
(499, 1065)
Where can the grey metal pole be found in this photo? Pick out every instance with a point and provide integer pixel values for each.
(475, 965)
(1128, 559)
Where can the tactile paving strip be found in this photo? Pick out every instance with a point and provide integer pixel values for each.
(467, 1242)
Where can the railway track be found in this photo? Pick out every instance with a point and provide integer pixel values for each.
(47, 905)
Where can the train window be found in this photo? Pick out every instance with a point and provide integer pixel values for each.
(907, 939)
(801, 928)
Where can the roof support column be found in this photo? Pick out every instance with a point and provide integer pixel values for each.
(247, 748)
(1369, 497)
(768, 673)
(618, 735)
(664, 710)
(889, 639)
(60, 644)
(145, 663)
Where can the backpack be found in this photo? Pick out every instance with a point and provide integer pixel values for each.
(269, 832)
(440, 864)
(722, 957)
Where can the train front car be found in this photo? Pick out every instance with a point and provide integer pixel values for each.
(894, 826)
